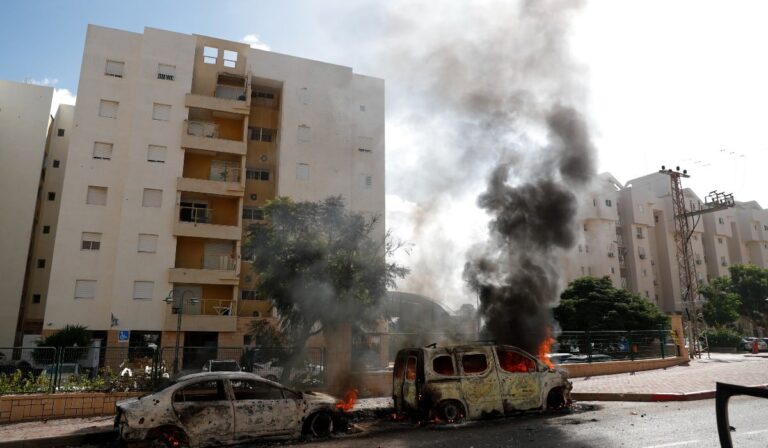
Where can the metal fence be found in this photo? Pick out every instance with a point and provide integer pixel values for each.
(69, 369)
(599, 346)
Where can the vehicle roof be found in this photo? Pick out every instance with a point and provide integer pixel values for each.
(230, 376)
(463, 348)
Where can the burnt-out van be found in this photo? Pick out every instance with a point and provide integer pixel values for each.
(474, 381)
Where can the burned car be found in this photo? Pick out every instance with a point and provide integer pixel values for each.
(220, 408)
(474, 381)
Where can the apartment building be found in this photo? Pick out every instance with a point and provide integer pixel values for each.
(24, 117)
(176, 142)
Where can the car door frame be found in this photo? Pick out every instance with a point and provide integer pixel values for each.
(481, 391)
(190, 419)
(520, 391)
(246, 410)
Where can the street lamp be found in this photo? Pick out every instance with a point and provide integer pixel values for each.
(179, 311)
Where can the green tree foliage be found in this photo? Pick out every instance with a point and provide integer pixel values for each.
(722, 337)
(594, 304)
(69, 336)
(722, 305)
(320, 265)
(751, 284)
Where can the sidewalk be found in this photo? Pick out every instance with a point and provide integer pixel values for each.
(695, 381)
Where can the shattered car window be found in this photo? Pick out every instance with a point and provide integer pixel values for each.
(475, 363)
(202, 391)
(410, 369)
(515, 362)
(255, 390)
(443, 365)
(399, 368)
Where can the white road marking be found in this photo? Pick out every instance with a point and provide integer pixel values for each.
(751, 433)
(686, 442)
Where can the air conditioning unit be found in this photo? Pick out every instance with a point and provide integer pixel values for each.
(611, 254)
(642, 256)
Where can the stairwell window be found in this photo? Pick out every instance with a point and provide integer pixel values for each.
(85, 289)
(102, 151)
(114, 68)
(90, 241)
(166, 72)
(161, 112)
(108, 109)
(257, 174)
(253, 213)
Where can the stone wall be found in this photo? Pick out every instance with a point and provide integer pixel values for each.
(17, 408)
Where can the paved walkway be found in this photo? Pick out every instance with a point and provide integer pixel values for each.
(700, 375)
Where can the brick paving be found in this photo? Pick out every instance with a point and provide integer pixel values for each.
(699, 375)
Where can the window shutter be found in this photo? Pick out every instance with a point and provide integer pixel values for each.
(85, 289)
(96, 196)
(165, 71)
(302, 171)
(108, 109)
(304, 133)
(91, 241)
(143, 290)
(152, 198)
(156, 153)
(115, 68)
(161, 112)
(102, 150)
(147, 242)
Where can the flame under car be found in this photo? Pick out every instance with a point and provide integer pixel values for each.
(220, 408)
(473, 382)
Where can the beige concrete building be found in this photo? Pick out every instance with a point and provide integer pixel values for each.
(176, 142)
(24, 117)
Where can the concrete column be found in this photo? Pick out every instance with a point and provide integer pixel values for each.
(676, 324)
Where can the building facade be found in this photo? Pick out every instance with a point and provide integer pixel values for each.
(176, 142)
(24, 118)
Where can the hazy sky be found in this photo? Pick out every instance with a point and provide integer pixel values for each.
(666, 82)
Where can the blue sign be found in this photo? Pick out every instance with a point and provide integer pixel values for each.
(123, 335)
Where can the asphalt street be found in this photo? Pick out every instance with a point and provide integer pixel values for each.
(609, 424)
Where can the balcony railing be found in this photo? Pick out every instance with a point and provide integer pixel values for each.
(205, 307)
(203, 129)
(220, 262)
(225, 173)
(196, 215)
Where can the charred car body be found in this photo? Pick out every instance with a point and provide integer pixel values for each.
(219, 408)
(474, 381)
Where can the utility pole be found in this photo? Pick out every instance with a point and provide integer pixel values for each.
(686, 220)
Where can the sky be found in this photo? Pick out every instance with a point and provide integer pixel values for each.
(676, 83)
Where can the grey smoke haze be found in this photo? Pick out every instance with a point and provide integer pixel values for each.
(490, 87)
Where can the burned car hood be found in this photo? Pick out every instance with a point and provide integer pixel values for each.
(320, 398)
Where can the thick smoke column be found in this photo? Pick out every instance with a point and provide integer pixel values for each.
(516, 274)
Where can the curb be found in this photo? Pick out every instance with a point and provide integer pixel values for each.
(648, 397)
(99, 438)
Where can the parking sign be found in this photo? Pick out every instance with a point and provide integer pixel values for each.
(123, 335)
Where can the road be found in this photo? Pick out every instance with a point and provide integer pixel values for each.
(608, 424)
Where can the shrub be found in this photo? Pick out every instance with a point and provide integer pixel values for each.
(722, 337)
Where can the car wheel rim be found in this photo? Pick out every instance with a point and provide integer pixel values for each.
(451, 412)
(322, 425)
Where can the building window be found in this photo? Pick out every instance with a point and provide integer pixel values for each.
(641, 208)
(248, 294)
(60, 132)
(261, 134)
(366, 181)
(114, 68)
(152, 198)
(91, 241)
(41, 263)
(719, 241)
(585, 226)
(36, 298)
(362, 108)
(230, 58)
(96, 195)
(166, 72)
(156, 153)
(302, 171)
(639, 233)
(85, 289)
(656, 219)
(51, 195)
(102, 151)
(304, 131)
(46, 229)
(253, 213)
(765, 227)
(364, 144)
(56, 163)
(580, 248)
(147, 243)
(210, 55)
(720, 220)
(586, 248)
(723, 262)
(647, 295)
(608, 203)
(161, 112)
(108, 109)
(143, 290)
(257, 174)
(613, 271)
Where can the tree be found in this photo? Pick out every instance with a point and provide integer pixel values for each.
(69, 336)
(751, 284)
(594, 304)
(722, 305)
(320, 265)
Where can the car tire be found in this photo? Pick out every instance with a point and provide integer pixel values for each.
(555, 399)
(167, 438)
(451, 411)
(319, 424)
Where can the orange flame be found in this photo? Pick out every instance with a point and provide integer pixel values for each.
(545, 348)
(349, 400)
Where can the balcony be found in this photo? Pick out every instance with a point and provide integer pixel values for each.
(199, 222)
(223, 180)
(205, 135)
(231, 94)
(205, 315)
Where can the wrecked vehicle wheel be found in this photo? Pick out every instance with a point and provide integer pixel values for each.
(167, 438)
(555, 399)
(451, 411)
(319, 424)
